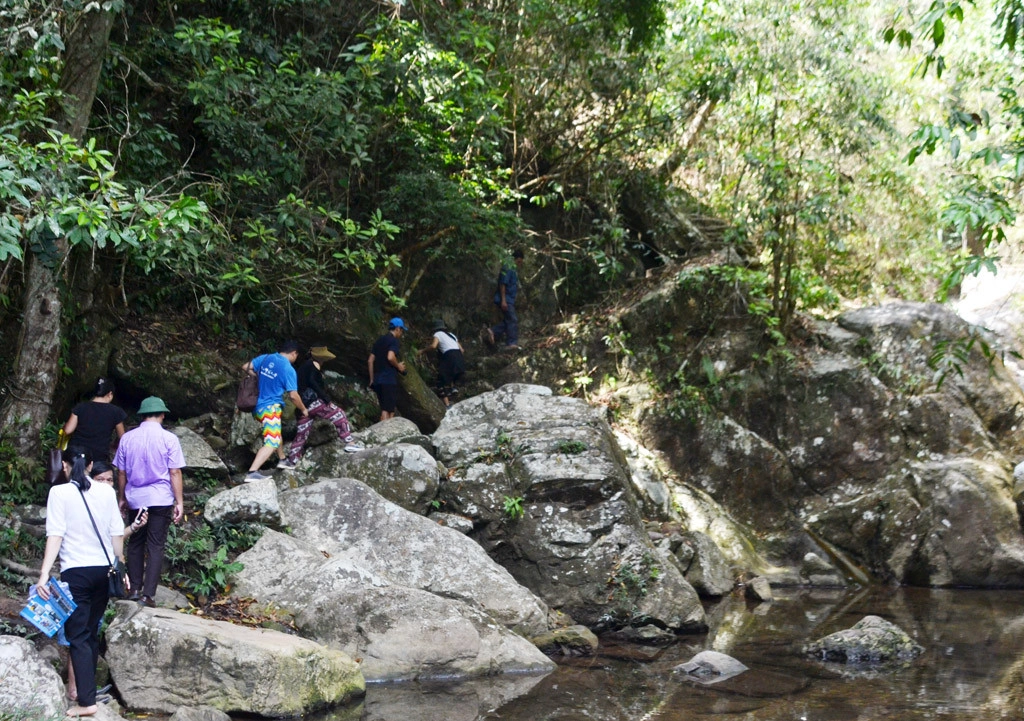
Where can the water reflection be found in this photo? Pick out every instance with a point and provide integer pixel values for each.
(972, 669)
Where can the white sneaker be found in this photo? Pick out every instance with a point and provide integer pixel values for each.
(288, 465)
(354, 447)
(254, 476)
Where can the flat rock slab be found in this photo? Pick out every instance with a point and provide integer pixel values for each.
(346, 518)
(161, 660)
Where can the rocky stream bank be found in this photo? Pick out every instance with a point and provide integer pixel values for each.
(526, 520)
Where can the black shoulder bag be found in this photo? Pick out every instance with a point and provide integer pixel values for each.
(117, 575)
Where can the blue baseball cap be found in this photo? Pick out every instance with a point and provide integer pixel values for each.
(396, 323)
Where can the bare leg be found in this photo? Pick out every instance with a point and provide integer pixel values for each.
(72, 688)
(264, 453)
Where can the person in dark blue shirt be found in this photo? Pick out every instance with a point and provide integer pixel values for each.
(384, 367)
(505, 300)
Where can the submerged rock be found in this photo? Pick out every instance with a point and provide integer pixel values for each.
(711, 667)
(200, 713)
(569, 641)
(870, 640)
(759, 590)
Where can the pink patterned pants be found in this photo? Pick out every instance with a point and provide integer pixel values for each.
(318, 409)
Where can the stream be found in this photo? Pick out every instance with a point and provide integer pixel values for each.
(974, 657)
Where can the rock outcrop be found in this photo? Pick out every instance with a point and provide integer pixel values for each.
(29, 687)
(550, 496)
(411, 598)
(404, 473)
(161, 660)
(853, 454)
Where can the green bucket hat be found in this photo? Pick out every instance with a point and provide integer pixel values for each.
(152, 406)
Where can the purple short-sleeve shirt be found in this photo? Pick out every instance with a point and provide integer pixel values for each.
(147, 454)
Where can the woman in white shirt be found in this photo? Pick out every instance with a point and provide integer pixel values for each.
(451, 364)
(84, 563)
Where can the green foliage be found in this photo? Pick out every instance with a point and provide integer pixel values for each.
(513, 506)
(505, 449)
(571, 448)
(951, 356)
(17, 544)
(21, 479)
(630, 581)
(199, 556)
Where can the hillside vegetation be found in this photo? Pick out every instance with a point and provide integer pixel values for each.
(245, 165)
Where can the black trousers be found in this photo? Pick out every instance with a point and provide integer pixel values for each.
(88, 586)
(145, 554)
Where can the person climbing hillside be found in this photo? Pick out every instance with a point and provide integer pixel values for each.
(451, 364)
(384, 367)
(505, 300)
(318, 405)
(277, 378)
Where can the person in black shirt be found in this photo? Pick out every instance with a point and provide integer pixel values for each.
(93, 421)
(318, 405)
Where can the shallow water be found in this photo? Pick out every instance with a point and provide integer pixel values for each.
(972, 668)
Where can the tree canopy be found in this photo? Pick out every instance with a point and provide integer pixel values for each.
(244, 159)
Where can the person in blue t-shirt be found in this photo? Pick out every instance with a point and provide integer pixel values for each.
(505, 300)
(384, 368)
(277, 378)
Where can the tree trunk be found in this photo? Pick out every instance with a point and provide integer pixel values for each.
(36, 369)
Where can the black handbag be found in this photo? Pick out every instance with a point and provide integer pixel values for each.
(117, 574)
(55, 469)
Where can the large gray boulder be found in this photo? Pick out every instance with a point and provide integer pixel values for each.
(394, 430)
(254, 502)
(161, 660)
(29, 687)
(398, 632)
(708, 571)
(410, 597)
(199, 455)
(550, 496)
(403, 473)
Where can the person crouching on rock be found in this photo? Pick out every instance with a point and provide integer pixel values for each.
(318, 405)
(451, 364)
(85, 552)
